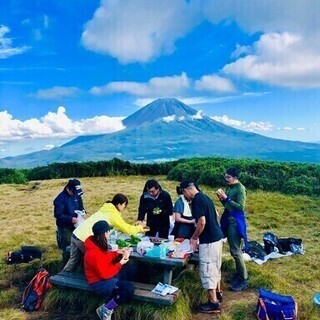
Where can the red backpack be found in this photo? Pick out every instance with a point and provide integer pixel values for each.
(35, 291)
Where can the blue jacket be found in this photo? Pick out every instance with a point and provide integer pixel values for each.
(64, 209)
(241, 224)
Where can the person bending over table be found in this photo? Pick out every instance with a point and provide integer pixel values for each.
(109, 212)
(105, 272)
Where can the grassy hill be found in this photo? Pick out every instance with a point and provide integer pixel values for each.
(26, 218)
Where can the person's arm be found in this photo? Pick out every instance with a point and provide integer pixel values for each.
(105, 267)
(142, 209)
(118, 223)
(178, 218)
(60, 209)
(195, 237)
(238, 202)
(169, 206)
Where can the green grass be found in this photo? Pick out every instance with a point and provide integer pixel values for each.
(26, 218)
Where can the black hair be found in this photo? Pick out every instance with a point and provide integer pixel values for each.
(101, 241)
(119, 198)
(151, 183)
(234, 172)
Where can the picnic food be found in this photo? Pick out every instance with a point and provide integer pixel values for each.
(156, 240)
(122, 243)
(134, 240)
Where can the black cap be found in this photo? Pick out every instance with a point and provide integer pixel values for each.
(233, 172)
(186, 183)
(101, 227)
(75, 186)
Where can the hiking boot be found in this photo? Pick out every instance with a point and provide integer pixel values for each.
(234, 279)
(240, 285)
(209, 307)
(219, 296)
(104, 313)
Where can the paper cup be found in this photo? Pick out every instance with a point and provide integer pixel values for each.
(171, 238)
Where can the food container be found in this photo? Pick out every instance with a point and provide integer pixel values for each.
(144, 246)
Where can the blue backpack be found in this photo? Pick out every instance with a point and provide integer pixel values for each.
(274, 306)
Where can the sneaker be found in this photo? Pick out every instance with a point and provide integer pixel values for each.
(240, 285)
(104, 313)
(209, 307)
(219, 296)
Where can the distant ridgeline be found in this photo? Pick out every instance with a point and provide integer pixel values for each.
(285, 177)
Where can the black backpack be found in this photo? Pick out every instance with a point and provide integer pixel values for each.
(26, 254)
(255, 250)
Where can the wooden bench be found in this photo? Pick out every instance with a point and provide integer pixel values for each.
(142, 291)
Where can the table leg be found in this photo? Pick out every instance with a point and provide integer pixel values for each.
(167, 275)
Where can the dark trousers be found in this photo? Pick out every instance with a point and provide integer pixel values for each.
(63, 241)
(118, 288)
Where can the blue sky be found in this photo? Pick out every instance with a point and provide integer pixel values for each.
(78, 67)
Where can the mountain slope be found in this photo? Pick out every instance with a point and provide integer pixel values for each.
(153, 133)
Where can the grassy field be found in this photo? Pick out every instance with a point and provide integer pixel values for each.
(26, 218)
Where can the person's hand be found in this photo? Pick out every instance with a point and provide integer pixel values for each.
(193, 244)
(145, 229)
(139, 223)
(221, 194)
(126, 254)
(75, 220)
(192, 221)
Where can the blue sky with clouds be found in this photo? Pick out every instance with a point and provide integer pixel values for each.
(79, 67)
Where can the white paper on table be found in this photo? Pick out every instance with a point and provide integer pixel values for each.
(163, 289)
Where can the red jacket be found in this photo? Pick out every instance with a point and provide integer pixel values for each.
(99, 264)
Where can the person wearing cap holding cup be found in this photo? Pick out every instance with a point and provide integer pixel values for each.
(234, 226)
(209, 236)
(104, 270)
(66, 207)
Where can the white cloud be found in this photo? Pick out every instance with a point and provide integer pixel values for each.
(280, 59)
(267, 15)
(214, 83)
(301, 129)
(48, 147)
(7, 49)
(157, 86)
(169, 118)
(56, 93)
(140, 30)
(287, 128)
(243, 125)
(55, 125)
(198, 115)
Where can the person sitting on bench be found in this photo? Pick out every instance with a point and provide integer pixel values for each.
(104, 270)
(109, 212)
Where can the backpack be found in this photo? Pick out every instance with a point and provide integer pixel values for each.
(274, 306)
(255, 250)
(35, 291)
(26, 254)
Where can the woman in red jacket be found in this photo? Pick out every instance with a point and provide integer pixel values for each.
(103, 270)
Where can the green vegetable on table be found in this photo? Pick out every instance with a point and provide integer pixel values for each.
(134, 240)
(122, 243)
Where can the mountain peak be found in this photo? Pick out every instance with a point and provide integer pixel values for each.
(158, 109)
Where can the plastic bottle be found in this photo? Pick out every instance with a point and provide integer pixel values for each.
(163, 250)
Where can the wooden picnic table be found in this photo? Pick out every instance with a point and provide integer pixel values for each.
(168, 263)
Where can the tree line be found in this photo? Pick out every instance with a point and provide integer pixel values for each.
(286, 177)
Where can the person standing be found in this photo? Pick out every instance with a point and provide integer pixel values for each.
(209, 236)
(184, 224)
(67, 205)
(156, 203)
(234, 226)
(105, 272)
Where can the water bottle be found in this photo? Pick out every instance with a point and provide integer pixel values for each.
(163, 250)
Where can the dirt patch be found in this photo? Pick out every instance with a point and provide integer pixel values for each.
(229, 298)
